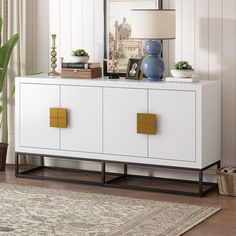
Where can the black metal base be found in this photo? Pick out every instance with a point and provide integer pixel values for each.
(107, 179)
(114, 76)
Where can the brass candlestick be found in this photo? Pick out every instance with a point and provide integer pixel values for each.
(53, 57)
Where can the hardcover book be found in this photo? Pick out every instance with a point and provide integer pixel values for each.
(72, 65)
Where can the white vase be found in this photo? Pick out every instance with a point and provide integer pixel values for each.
(182, 73)
(80, 59)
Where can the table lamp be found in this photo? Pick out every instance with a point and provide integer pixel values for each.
(153, 25)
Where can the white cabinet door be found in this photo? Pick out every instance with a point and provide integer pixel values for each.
(84, 131)
(176, 134)
(120, 121)
(35, 103)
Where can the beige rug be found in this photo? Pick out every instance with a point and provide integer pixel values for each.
(26, 210)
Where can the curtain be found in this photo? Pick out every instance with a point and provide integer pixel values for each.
(19, 16)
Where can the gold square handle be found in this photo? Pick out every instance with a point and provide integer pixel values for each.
(53, 122)
(53, 112)
(146, 123)
(62, 113)
(62, 123)
(58, 117)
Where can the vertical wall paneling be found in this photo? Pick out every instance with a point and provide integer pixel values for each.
(188, 31)
(171, 53)
(54, 23)
(215, 44)
(178, 40)
(65, 28)
(215, 39)
(202, 39)
(166, 46)
(42, 32)
(88, 27)
(229, 81)
(76, 24)
(99, 30)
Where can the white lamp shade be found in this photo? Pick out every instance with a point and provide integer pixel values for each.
(153, 24)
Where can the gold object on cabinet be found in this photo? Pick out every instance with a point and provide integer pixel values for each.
(53, 112)
(62, 113)
(146, 123)
(58, 117)
(53, 122)
(53, 57)
(61, 122)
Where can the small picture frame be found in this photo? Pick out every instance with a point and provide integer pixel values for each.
(133, 69)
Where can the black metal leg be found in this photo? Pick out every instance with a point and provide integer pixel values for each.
(200, 182)
(103, 172)
(17, 164)
(125, 169)
(42, 161)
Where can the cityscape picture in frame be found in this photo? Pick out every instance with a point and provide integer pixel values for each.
(118, 31)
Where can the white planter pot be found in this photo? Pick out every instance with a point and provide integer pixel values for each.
(78, 59)
(182, 73)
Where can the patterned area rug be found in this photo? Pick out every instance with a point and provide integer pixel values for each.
(26, 210)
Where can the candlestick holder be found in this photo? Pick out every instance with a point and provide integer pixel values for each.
(53, 57)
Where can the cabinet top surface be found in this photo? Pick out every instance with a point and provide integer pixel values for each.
(105, 82)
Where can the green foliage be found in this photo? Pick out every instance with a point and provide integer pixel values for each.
(5, 54)
(182, 65)
(0, 31)
(80, 53)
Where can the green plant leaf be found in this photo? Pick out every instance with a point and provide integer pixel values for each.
(1, 109)
(80, 52)
(5, 54)
(0, 31)
(182, 65)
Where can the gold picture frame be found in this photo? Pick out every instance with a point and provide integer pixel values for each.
(133, 69)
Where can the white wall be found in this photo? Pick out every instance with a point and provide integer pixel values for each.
(42, 36)
(206, 36)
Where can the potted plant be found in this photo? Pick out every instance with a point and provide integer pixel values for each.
(80, 56)
(5, 54)
(182, 69)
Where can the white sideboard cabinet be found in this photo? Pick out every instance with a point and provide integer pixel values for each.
(174, 125)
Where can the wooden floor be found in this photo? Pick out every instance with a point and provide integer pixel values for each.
(221, 224)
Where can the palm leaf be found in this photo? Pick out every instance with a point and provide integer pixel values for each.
(0, 31)
(5, 54)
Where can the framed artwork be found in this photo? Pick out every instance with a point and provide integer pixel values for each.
(133, 69)
(118, 31)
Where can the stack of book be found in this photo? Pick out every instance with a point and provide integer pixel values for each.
(182, 80)
(81, 70)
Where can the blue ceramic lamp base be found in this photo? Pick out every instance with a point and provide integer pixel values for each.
(153, 65)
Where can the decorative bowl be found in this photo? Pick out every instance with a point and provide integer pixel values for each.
(80, 59)
(182, 73)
